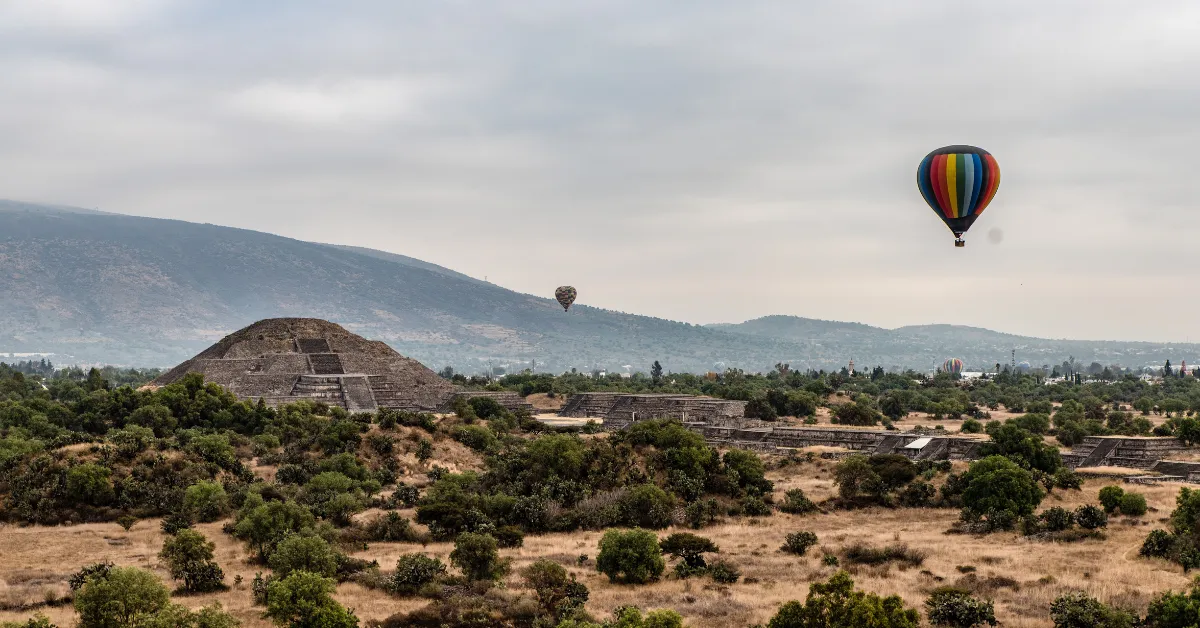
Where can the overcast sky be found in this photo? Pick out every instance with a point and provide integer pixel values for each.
(706, 161)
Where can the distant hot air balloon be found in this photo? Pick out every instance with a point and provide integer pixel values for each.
(958, 182)
(953, 366)
(565, 296)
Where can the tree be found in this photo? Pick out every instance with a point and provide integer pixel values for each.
(1110, 498)
(424, 450)
(305, 600)
(855, 475)
(798, 542)
(1090, 517)
(1175, 610)
(1022, 447)
(996, 484)
(656, 372)
(835, 604)
(690, 548)
(299, 552)
(414, 571)
(853, 413)
(477, 557)
(1133, 504)
(557, 593)
(178, 616)
(89, 483)
(745, 469)
(957, 608)
(265, 525)
(206, 501)
(632, 556)
(189, 557)
(126, 597)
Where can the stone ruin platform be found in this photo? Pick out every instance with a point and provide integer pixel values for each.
(285, 360)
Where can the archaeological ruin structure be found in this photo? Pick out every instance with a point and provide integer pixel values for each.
(284, 360)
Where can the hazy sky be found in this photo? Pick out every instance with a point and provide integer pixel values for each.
(707, 161)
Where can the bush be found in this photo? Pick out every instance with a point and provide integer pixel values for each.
(477, 437)
(1158, 544)
(971, 426)
(37, 621)
(690, 548)
(305, 600)
(957, 608)
(99, 570)
(126, 522)
(89, 484)
(414, 571)
(390, 528)
(996, 484)
(1091, 517)
(1133, 504)
(1175, 610)
(1057, 519)
(1065, 479)
(755, 507)
(835, 604)
(647, 506)
(126, 596)
(509, 536)
(206, 501)
(1077, 610)
(557, 593)
(701, 512)
(632, 556)
(724, 572)
(174, 522)
(476, 556)
(855, 475)
(189, 557)
(797, 503)
(1110, 498)
(304, 553)
(866, 555)
(798, 542)
(917, 495)
(855, 414)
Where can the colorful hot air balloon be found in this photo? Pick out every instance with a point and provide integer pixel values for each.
(565, 296)
(958, 182)
(953, 366)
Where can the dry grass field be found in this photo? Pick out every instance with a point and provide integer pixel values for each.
(1022, 576)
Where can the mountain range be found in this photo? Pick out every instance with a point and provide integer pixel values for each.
(97, 287)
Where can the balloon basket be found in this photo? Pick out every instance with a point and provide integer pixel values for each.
(959, 242)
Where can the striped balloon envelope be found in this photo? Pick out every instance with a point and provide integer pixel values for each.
(953, 366)
(958, 182)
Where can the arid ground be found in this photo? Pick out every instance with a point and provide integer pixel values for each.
(1022, 576)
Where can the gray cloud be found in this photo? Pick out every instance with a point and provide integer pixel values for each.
(712, 161)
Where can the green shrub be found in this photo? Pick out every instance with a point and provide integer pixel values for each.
(414, 571)
(305, 600)
(206, 501)
(477, 437)
(1110, 498)
(300, 552)
(89, 484)
(724, 572)
(797, 503)
(755, 507)
(835, 604)
(997, 485)
(1133, 504)
(863, 554)
(1057, 519)
(1158, 544)
(917, 495)
(509, 536)
(476, 556)
(557, 593)
(632, 556)
(390, 527)
(1065, 478)
(798, 542)
(690, 548)
(37, 621)
(1091, 517)
(126, 596)
(647, 506)
(957, 608)
(971, 426)
(1175, 610)
(189, 557)
(1078, 610)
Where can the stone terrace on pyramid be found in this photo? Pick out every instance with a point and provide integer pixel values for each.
(283, 360)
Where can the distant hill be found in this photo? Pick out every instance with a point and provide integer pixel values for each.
(925, 346)
(104, 287)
